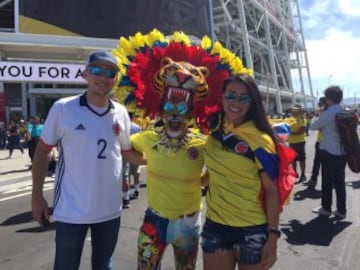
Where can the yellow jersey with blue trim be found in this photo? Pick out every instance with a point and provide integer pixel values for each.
(233, 195)
(173, 177)
(295, 124)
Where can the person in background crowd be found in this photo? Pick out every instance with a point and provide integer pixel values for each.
(92, 133)
(238, 231)
(308, 120)
(126, 185)
(3, 135)
(29, 123)
(333, 161)
(34, 131)
(296, 139)
(14, 138)
(24, 135)
(132, 170)
(317, 159)
(358, 115)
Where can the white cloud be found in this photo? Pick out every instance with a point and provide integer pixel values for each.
(331, 29)
(350, 7)
(335, 59)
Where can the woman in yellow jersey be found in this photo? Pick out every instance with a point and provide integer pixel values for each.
(238, 231)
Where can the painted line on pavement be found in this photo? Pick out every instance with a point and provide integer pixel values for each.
(24, 188)
(21, 195)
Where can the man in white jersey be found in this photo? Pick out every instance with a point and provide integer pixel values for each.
(92, 134)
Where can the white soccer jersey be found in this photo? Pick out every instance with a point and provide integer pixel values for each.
(88, 184)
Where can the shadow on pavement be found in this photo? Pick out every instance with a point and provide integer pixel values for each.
(15, 171)
(25, 218)
(310, 192)
(21, 218)
(319, 231)
(38, 229)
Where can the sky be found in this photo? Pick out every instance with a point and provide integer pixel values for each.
(331, 30)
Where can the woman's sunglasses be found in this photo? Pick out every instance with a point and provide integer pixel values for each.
(97, 71)
(243, 99)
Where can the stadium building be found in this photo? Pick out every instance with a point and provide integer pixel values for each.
(44, 44)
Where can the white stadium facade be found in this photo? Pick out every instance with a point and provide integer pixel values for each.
(44, 44)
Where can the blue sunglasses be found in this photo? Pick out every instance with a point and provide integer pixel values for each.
(97, 71)
(181, 107)
(243, 99)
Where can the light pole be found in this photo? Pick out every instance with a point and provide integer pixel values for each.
(355, 99)
(329, 79)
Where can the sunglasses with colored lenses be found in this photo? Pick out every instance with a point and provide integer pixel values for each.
(181, 107)
(243, 99)
(97, 71)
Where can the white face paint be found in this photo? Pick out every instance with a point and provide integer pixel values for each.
(175, 128)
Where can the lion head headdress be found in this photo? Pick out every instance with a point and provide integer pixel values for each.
(154, 66)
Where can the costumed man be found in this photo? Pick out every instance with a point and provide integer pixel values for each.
(174, 81)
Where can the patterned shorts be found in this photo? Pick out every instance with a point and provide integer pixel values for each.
(157, 232)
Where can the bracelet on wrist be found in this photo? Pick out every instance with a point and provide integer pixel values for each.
(274, 231)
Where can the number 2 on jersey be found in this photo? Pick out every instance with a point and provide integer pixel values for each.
(102, 144)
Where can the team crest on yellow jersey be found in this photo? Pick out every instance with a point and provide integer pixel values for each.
(241, 148)
(193, 153)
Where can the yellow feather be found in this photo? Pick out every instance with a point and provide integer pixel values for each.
(155, 35)
(126, 46)
(206, 42)
(181, 37)
(138, 40)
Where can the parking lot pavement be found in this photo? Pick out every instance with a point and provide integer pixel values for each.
(17, 167)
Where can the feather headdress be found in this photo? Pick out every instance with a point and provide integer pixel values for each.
(140, 57)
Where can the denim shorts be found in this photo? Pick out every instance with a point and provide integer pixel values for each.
(247, 241)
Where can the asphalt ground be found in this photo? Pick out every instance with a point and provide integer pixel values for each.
(308, 241)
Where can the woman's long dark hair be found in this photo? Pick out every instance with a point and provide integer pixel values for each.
(256, 111)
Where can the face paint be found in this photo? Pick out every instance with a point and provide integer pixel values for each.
(176, 113)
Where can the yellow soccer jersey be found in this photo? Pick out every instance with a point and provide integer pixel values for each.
(173, 178)
(319, 137)
(233, 196)
(295, 125)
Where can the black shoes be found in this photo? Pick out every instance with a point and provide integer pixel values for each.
(302, 178)
(135, 195)
(126, 204)
(312, 182)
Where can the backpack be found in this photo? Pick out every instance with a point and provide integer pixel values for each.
(347, 122)
(285, 179)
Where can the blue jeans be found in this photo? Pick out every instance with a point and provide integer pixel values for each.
(70, 239)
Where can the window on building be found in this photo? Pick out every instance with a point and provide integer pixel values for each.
(7, 22)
